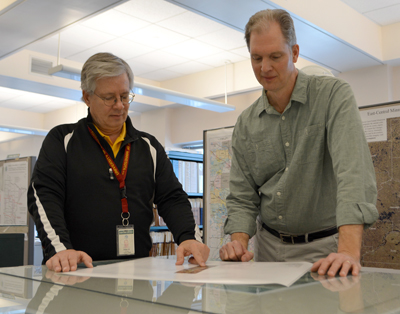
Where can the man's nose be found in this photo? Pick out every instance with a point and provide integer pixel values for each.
(118, 102)
(265, 65)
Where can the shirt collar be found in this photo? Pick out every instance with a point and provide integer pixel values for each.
(299, 95)
(120, 137)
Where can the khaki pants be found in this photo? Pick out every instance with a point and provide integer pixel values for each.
(268, 248)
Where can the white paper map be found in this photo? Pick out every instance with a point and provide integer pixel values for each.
(251, 273)
(13, 208)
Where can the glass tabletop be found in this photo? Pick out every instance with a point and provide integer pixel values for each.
(32, 289)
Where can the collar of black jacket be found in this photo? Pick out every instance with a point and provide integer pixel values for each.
(132, 134)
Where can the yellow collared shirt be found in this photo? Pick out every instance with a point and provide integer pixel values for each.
(117, 144)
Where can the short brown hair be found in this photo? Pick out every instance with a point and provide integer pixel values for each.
(263, 18)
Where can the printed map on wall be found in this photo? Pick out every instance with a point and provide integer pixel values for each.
(14, 186)
(218, 156)
(381, 243)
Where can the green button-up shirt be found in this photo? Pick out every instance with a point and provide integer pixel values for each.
(306, 169)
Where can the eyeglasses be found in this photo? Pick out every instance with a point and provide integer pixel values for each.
(111, 101)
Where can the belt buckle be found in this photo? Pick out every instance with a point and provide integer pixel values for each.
(285, 236)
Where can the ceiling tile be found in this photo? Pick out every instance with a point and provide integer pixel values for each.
(161, 75)
(364, 6)
(192, 49)
(385, 16)
(8, 93)
(34, 19)
(160, 59)
(139, 68)
(83, 55)
(189, 67)
(242, 51)
(124, 48)
(225, 38)
(156, 37)
(150, 10)
(221, 59)
(50, 46)
(120, 47)
(195, 25)
(84, 36)
(158, 52)
(115, 22)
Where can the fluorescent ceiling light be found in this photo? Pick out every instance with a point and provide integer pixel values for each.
(154, 92)
(65, 72)
(22, 130)
(180, 98)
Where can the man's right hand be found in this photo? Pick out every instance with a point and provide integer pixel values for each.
(68, 260)
(237, 249)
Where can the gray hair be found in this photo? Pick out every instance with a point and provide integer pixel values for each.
(262, 19)
(102, 65)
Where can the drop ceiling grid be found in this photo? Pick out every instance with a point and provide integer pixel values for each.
(382, 12)
(137, 30)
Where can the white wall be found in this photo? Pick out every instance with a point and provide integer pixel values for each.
(189, 123)
(390, 41)
(25, 146)
(21, 118)
(373, 85)
(70, 114)
(157, 123)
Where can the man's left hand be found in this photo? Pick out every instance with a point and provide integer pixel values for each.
(336, 262)
(199, 251)
(347, 259)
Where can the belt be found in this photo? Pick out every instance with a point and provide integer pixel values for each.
(304, 238)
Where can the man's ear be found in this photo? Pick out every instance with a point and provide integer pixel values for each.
(295, 53)
(86, 99)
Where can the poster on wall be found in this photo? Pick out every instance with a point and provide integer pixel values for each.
(381, 242)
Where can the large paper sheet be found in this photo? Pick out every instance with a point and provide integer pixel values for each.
(252, 273)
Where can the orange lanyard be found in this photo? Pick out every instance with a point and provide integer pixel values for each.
(120, 175)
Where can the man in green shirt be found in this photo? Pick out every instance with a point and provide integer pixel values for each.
(302, 178)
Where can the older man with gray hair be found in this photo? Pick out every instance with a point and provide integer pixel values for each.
(95, 181)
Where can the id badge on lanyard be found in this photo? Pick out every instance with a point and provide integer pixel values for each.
(125, 240)
(125, 233)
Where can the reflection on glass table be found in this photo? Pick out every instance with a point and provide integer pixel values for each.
(29, 289)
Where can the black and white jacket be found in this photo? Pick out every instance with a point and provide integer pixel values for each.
(76, 205)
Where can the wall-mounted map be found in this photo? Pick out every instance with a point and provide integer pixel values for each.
(13, 193)
(217, 167)
(381, 242)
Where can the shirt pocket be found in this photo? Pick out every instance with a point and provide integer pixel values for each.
(261, 159)
(310, 146)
